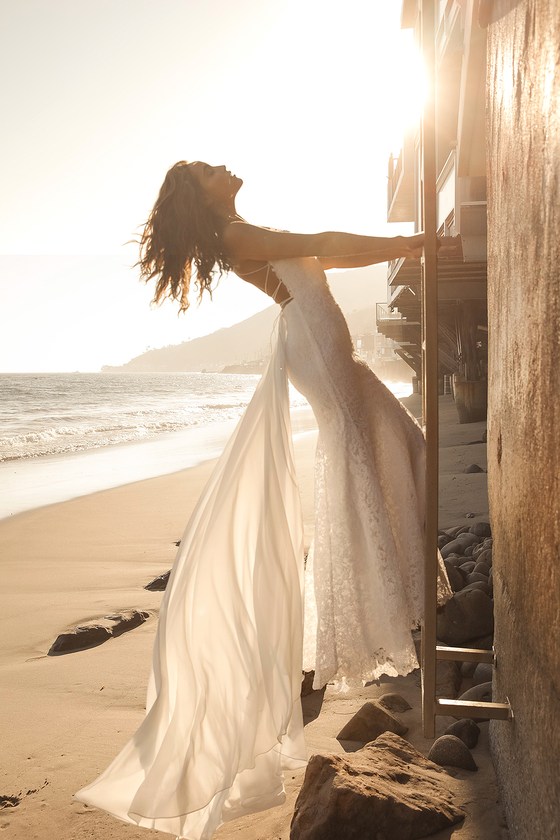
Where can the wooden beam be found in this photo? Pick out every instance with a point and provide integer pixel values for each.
(474, 709)
(430, 367)
(457, 654)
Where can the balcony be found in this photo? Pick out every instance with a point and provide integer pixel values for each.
(400, 184)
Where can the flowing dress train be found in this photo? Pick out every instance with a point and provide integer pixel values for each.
(223, 717)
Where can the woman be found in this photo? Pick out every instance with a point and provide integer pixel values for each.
(223, 713)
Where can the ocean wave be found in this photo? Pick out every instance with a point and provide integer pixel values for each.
(66, 439)
(59, 414)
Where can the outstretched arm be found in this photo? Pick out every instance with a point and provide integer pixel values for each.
(334, 249)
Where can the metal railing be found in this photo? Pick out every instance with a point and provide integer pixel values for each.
(384, 313)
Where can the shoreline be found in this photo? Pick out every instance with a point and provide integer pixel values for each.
(35, 482)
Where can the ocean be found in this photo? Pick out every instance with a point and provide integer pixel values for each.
(64, 435)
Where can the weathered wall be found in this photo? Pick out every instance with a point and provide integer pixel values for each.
(524, 403)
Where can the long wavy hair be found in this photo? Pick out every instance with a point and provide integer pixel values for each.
(182, 233)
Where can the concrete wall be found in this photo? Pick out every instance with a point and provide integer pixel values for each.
(524, 403)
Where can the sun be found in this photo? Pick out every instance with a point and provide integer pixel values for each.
(408, 89)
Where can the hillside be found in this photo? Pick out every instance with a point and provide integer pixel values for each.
(249, 340)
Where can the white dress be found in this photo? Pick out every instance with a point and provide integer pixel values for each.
(223, 712)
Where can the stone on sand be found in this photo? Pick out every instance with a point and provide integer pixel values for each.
(369, 722)
(451, 751)
(93, 633)
(394, 702)
(159, 583)
(465, 729)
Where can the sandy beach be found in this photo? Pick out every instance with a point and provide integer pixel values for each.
(65, 717)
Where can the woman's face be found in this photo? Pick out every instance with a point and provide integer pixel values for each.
(217, 182)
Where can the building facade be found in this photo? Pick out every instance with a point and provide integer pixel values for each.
(461, 206)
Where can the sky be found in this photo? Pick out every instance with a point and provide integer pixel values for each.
(303, 99)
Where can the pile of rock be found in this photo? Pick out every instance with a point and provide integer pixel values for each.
(385, 788)
(469, 615)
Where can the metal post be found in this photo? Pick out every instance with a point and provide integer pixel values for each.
(429, 366)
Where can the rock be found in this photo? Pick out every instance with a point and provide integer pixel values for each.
(468, 669)
(473, 468)
(126, 620)
(80, 638)
(370, 722)
(465, 729)
(481, 693)
(307, 683)
(466, 616)
(458, 529)
(394, 702)
(481, 529)
(159, 583)
(475, 576)
(484, 437)
(482, 568)
(483, 642)
(458, 544)
(468, 566)
(455, 559)
(450, 751)
(485, 556)
(96, 632)
(478, 584)
(470, 515)
(456, 579)
(385, 790)
(482, 673)
(442, 540)
(448, 678)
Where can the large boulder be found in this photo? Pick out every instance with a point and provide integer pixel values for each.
(387, 791)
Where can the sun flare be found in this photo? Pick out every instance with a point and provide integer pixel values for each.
(408, 85)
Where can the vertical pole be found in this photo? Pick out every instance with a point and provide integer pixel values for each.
(429, 366)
